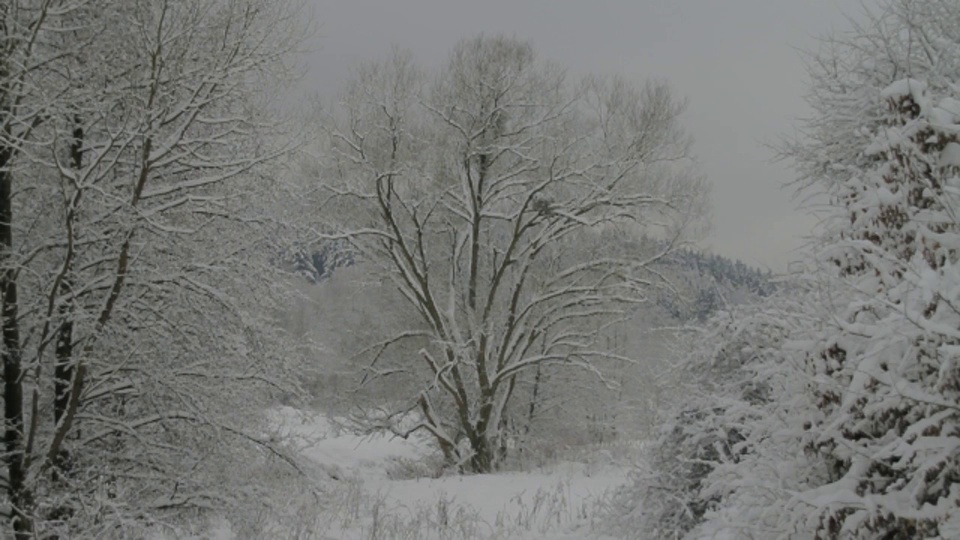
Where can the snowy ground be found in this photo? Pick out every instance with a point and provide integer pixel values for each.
(369, 498)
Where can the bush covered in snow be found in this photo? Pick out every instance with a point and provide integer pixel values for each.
(733, 378)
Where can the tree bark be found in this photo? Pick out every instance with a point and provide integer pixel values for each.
(63, 370)
(19, 495)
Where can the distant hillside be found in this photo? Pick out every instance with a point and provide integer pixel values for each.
(708, 282)
(316, 264)
(704, 282)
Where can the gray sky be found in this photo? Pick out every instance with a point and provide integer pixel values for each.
(736, 61)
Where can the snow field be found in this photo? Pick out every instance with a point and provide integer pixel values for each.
(363, 499)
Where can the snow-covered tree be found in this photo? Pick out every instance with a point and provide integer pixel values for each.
(138, 347)
(862, 439)
(494, 196)
(886, 148)
(735, 381)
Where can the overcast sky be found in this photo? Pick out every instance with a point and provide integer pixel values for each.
(737, 61)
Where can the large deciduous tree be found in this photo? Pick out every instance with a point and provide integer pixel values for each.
(135, 291)
(498, 198)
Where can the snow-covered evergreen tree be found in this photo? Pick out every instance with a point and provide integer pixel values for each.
(885, 148)
(862, 436)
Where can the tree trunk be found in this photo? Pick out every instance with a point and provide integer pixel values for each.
(63, 370)
(483, 454)
(13, 439)
(532, 411)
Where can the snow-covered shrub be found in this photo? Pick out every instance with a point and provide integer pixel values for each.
(725, 397)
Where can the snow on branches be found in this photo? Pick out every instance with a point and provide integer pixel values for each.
(864, 441)
(495, 197)
(137, 323)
